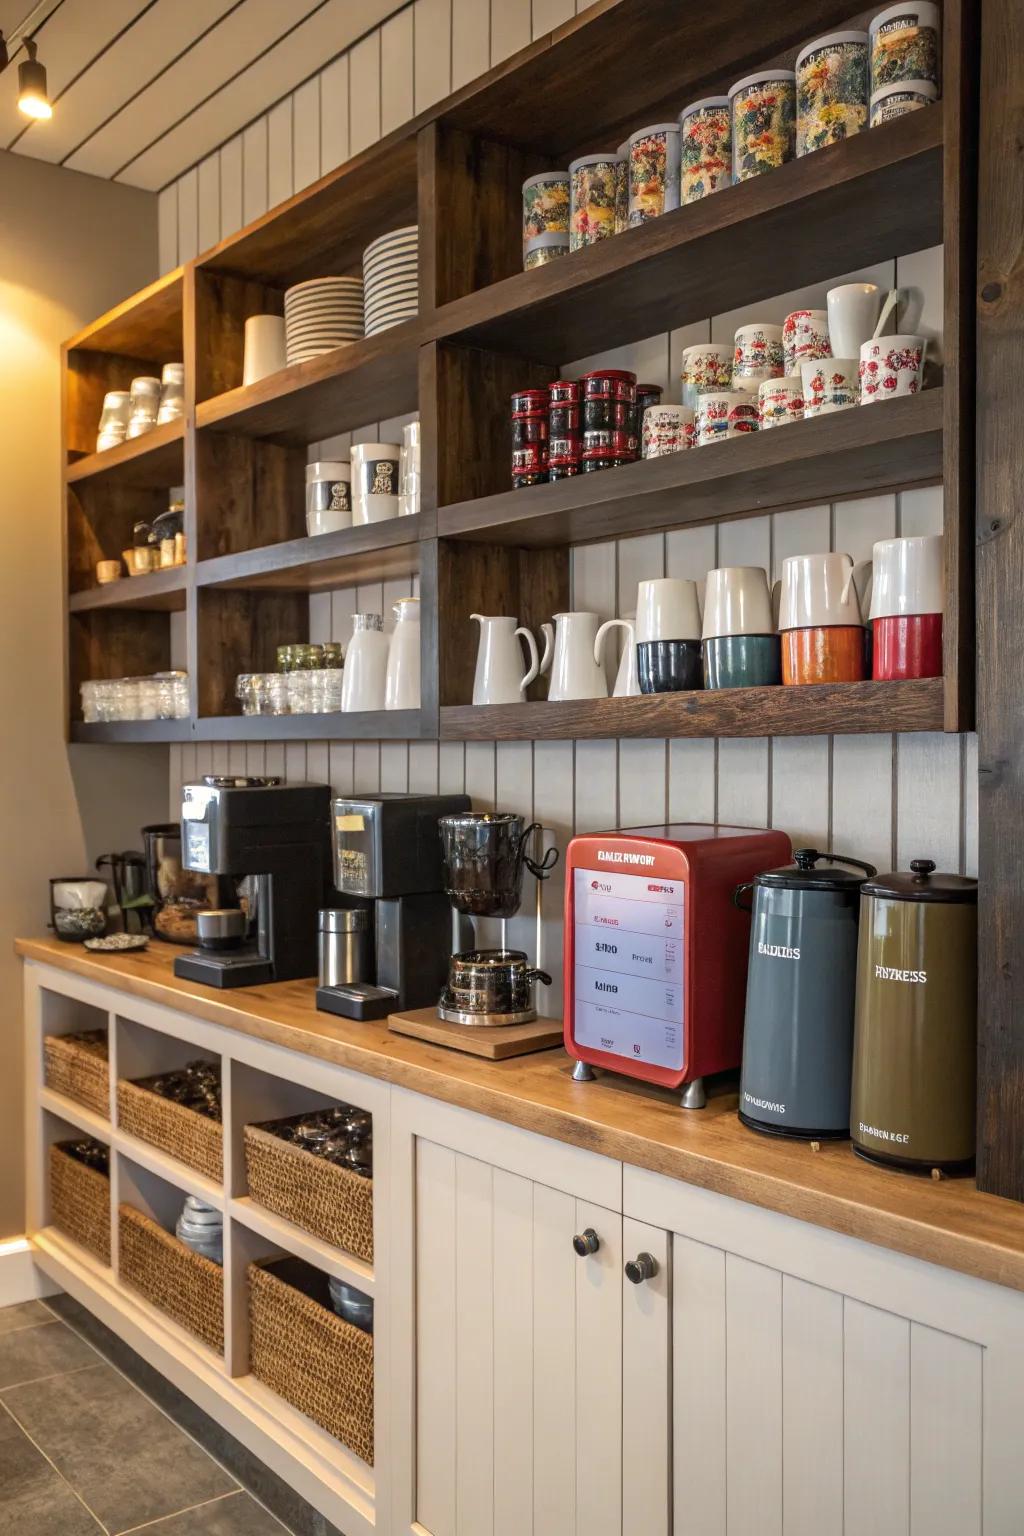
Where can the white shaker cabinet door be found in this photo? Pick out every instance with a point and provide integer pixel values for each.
(513, 1348)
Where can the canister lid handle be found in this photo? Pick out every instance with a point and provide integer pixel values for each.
(922, 868)
(806, 858)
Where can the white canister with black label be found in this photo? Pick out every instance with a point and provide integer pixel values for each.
(375, 481)
(328, 496)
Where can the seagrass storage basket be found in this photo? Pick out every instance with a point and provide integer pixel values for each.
(77, 1067)
(307, 1354)
(188, 1287)
(80, 1202)
(331, 1202)
(194, 1139)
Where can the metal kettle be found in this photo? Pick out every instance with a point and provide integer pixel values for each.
(798, 1026)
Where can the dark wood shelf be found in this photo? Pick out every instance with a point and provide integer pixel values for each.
(827, 709)
(368, 725)
(154, 461)
(147, 325)
(371, 552)
(854, 203)
(158, 592)
(887, 446)
(348, 387)
(132, 731)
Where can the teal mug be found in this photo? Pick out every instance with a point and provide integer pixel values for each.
(742, 661)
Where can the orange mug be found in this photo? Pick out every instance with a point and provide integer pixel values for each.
(831, 653)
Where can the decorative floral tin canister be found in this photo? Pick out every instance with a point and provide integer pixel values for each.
(540, 249)
(592, 189)
(622, 188)
(714, 412)
(545, 204)
(804, 336)
(758, 354)
(831, 90)
(905, 45)
(667, 429)
(780, 401)
(894, 101)
(653, 172)
(705, 148)
(763, 122)
(706, 366)
(891, 366)
(830, 384)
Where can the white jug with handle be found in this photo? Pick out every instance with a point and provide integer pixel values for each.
(574, 672)
(627, 682)
(499, 676)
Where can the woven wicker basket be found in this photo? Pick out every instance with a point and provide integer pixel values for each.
(80, 1202)
(333, 1203)
(79, 1071)
(192, 1138)
(185, 1285)
(307, 1354)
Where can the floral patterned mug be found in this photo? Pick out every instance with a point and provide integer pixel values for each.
(758, 355)
(830, 384)
(891, 366)
(780, 401)
(713, 414)
(667, 429)
(805, 337)
(708, 365)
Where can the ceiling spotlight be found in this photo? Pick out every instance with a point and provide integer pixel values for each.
(32, 97)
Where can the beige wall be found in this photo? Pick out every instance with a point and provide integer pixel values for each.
(70, 247)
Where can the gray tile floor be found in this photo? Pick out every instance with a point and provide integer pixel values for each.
(83, 1451)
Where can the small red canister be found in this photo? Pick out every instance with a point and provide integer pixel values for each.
(530, 402)
(609, 384)
(529, 437)
(907, 645)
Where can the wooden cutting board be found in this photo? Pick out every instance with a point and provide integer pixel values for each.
(496, 1043)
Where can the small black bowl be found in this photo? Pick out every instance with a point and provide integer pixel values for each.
(669, 666)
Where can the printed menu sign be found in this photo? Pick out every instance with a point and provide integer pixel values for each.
(628, 941)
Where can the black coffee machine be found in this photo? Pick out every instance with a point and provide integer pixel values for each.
(387, 861)
(273, 839)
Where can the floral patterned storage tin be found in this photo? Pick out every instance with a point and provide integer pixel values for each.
(622, 188)
(593, 184)
(894, 101)
(905, 45)
(540, 249)
(763, 122)
(706, 366)
(831, 90)
(653, 172)
(545, 204)
(705, 148)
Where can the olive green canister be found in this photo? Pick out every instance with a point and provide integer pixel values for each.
(915, 1025)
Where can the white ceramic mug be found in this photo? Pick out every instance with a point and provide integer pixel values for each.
(713, 414)
(804, 337)
(891, 366)
(667, 608)
(375, 476)
(853, 310)
(830, 384)
(667, 429)
(574, 672)
(363, 682)
(264, 347)
(908, 577)
(758, 354)
(737, 601)
(818, 591)
(627, 681)
(706, 366)
(499, 678)
(402, 679)
(779, 401)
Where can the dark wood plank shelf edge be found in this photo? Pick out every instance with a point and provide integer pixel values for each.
(160, 591)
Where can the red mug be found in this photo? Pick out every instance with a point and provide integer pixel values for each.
(825, 654)
(907, 645)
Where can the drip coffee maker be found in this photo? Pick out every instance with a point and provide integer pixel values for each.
(485, 854)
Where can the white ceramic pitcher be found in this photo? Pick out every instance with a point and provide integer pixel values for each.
(627, 682)
(574, 672)
(402, 680)
(499, 661)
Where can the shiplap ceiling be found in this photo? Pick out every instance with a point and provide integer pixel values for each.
(143, 89)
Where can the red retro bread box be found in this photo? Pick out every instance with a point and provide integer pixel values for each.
(656, 951)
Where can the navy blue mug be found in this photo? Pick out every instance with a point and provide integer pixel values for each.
(669, 666)
(742, 661)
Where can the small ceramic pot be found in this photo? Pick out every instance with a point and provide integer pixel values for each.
(705, 148)
(653, 172)
(545, 204)
(890, 367)
(667, 429)
(592, 189)
(706, 366)
(713, 414)
(779, 401)
(894, 101)
(832, 653)
(907, 645)
(805, 338)
(742, 661)
(758, 354)
(108, 571)
(763, 122)
(669, 666)
(853, 310)
(831, 90)
(540, 249)
(905, 45)
(622, 188)
(829, 385)
(374, 481)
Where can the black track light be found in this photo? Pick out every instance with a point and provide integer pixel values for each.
(33, 99)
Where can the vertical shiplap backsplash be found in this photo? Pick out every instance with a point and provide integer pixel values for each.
(883, 798)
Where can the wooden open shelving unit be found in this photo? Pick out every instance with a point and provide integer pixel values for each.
(486, 328)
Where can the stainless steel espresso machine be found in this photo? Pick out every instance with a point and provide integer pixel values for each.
(271, 841)
(385, 944)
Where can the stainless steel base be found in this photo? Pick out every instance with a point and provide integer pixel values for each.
(485, 1020)
(583, 1072)
(693, 1095)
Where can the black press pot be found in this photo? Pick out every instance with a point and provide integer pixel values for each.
(484, 854)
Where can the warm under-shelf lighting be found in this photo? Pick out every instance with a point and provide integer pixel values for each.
(33, 99)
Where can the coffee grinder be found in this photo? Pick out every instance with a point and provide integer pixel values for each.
(275, 839)
(388, 872)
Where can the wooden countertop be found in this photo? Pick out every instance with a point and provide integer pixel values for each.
(946, 1222)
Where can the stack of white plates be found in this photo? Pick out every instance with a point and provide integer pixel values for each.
(391, 279)
(322, 314)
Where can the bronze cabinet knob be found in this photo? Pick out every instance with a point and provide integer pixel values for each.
(586, 1242)
(643, 1267)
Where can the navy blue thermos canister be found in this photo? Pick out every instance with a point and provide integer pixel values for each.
(801, 992)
